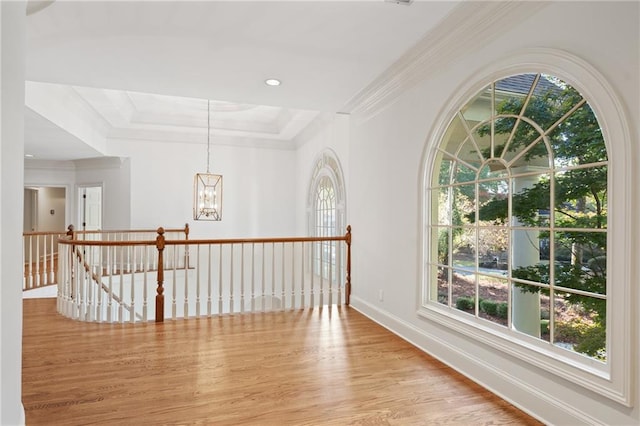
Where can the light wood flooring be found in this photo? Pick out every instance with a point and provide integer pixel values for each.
(329, 366)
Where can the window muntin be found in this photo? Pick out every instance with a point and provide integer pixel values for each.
(521, 178)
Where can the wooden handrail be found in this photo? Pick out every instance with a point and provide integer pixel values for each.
(205, 241)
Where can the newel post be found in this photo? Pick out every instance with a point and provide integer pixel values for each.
(160, 290)
(186, 247)
(72, 252)
(348, 285)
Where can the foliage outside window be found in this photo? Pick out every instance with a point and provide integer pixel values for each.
(518, 231)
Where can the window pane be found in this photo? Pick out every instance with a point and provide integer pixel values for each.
(444, 205)
(531, 200)
(529, 248)
(464, 251)
(464, 207)
(444, 177)
(493, 250)
(464, 173)
(579, 325)
(493, 199)
(455, 136)
(503, 127)
(464, 291)
(526, 313)
(545, 315)
(578, 139)
(529, 150)
(479, 108)
(442, 295)
(494, 299)
(470, 153)
(581, 198)
(441, 234)
(494, 169)
(581, 261)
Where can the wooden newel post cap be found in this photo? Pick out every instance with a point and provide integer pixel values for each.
(160, 239)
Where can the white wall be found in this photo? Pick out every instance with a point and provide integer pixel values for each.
(51, 199)
(385, 165)
(114, 175)
(259, 185)
(39, 173)
(12, 74)
(328, 131)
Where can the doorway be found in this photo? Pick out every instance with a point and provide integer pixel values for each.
(90, 207)
(44, 209)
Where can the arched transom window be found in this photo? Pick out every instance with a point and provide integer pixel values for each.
(517, 233)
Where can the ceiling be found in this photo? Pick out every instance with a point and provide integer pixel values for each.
(324, 52)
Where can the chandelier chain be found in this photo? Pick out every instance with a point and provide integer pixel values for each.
(208, 132)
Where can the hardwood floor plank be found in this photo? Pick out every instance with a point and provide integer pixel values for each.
(307, 367)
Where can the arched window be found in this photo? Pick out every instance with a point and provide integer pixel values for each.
(517, 237)
(326, 214)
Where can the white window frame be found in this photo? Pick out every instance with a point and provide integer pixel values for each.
(614, 379)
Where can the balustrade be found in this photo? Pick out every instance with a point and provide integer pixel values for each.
(40, 250)
(112, 279)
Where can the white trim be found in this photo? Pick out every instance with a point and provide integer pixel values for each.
(613, 119)
(473, 23)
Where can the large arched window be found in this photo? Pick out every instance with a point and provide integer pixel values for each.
(326, 214)
(517, 237)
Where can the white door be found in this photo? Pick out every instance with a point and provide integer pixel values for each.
(90, 207)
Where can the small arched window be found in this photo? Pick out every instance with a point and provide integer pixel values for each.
(326, 208)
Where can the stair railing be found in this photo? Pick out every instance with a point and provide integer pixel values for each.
(113, 281)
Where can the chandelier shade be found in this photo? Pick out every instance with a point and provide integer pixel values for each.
(207, 190)
(207, 187)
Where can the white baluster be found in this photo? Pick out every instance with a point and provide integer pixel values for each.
(242, 279)
(121, 292)
(132, 308)
(331, 273)
(220, 281)
(198, 281)
(231, 310)
(145, 293)
(173, 296)
(209, 280)
(262, 282)
(302, 274)
(186, 288)
(273, 274)
(283, 278)
(293, 276)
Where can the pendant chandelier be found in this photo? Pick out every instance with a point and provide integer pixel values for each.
(207, 187)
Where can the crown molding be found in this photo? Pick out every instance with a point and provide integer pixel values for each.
(468, 26)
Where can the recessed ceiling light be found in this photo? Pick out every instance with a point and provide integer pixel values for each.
(272, 82)
(28, 156)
